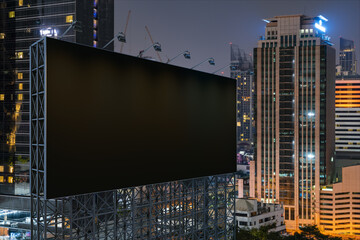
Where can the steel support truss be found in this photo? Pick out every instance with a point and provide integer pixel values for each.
(200, 208)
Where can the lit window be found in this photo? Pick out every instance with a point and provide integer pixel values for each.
(94, 43)
(1, 168)
(20, 97)
(306, 30)
(69, 18)
(19, 55)
(302, 31)
(95, 23)
(20, 75)
(21, 3)
(2, 35)
(11, 169)
(2, 97)
(11, 14)
(20, 86)
(10, 179)
(311, 30)
(1, 178)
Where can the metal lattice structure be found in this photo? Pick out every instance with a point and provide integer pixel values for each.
(200, 208)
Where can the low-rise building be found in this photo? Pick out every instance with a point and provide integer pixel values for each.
(340, 204)
(249, 213)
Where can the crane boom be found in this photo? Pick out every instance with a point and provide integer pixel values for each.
(152, 42)
(127, 22)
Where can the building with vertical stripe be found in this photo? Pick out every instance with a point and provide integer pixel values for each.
(347, 117)
(294, 66)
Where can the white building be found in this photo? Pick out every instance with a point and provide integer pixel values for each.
(249, 213)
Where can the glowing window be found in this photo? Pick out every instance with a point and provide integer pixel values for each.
(20, 97)
(311, 30)
(11, 14)
(2, 97)
(94, 43)
(1, 168)
(11, 169)
(20, 86)
(21, 3)
(306, 30)
(69, 18)
(2, 35)
(1, 178)
(19, 55)
(20, 75)
(302, 31)
(95, 23)
(10, 179)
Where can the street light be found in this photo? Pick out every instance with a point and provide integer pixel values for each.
(185, 53)
(210, 60)
(156, 46)
(120, 36)
(76, 25)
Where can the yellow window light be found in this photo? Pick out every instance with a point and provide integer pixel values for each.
(1, 178)
(11, 14)
(21, 3)
(20, 55)
(11, 169)
(20, 75)
(21, 87)
(2, 97)
(2, 35)
(1, 168)
(20, 97)
(10, 179)
(69, 18)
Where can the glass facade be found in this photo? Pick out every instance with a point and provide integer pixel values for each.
(294, 78)
(242, 70)
(26, 21)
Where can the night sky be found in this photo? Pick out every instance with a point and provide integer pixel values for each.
(206, 27)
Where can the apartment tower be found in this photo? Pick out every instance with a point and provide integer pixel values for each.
(294, 66)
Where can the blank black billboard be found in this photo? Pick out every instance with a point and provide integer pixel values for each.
(116, 121)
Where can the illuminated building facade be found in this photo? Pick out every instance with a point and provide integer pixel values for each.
(347, 57)
(294, 65)
(24, 22)
(340, 204)
(242, 70)
(347, 128)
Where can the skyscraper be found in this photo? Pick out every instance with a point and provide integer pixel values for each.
(295, 87)
(347, 130)
(242, 70)
(347, 57)
(24, 22)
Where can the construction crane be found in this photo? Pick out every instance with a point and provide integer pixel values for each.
(153, 42)
(127, 22)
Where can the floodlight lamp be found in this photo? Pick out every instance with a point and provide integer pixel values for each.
(211, 61)
(121, 37)
(157, 47)
(187, 55)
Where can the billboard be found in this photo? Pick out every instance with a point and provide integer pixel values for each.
(116, 121)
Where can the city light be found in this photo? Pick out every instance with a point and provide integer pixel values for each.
(48, 32)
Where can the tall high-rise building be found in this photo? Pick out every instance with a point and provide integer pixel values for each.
(294, 66)
(347, 57)
(22, 23)
(242, 70)
(347, 128)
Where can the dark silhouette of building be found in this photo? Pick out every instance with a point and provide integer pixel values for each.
(347, 57)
